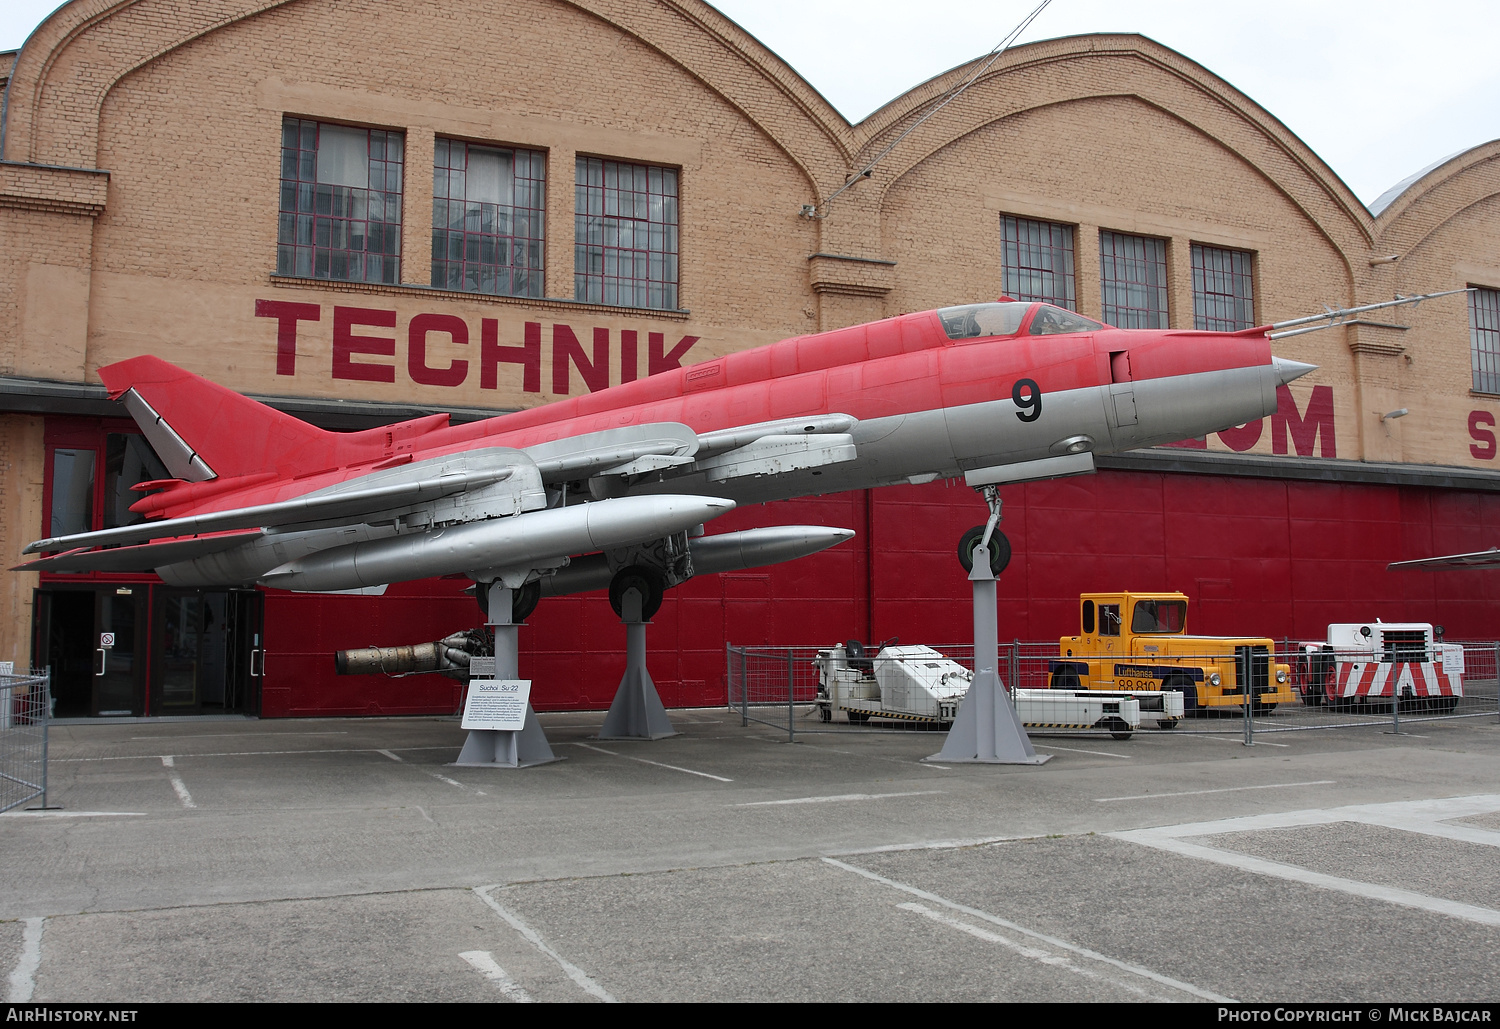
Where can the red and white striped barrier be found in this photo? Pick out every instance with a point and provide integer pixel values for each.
(1410, 678)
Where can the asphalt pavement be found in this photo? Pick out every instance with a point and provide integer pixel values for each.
(348, 859)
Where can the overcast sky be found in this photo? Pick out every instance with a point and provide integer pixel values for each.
(1378, 88)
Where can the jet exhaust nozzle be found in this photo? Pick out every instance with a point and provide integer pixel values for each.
(449, 656)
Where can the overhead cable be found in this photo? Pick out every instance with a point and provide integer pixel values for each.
(817, 210)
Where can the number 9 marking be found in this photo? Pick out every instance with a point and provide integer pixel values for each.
(1030, 406)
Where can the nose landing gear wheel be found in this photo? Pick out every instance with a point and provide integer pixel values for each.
(999, 549)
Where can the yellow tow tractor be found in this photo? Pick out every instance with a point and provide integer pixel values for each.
(1139, 641)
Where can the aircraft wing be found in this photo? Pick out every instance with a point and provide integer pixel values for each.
(456, 490)
(1478, 559)
(674, 450)
(314, 507)
(141, 558)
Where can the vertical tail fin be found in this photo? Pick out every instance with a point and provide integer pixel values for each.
(202, 430)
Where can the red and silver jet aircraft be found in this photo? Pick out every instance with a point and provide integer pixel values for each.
(992, 393)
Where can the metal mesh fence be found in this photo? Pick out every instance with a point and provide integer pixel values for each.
(25, 706)
(1343, 688)
(1240, 692)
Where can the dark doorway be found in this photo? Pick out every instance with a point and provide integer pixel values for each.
(206, 652)
(90, 637)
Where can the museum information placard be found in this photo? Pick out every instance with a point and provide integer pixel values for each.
(497, 704)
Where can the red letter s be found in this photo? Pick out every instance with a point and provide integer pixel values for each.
(1480, 424)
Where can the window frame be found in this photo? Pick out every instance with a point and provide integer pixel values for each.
(1206, 300)
(589, 244)
(72, 433)
(471, 238)
(1134, 315)
(1484, 300)
(1012, 271)
(301, 219)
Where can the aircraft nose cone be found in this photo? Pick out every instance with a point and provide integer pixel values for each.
(1286, 370)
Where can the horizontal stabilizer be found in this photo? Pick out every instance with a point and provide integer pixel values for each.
(143, 558)
(287, 513)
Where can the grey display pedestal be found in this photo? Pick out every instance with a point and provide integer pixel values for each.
(494, 748)
(637, 712)
(987, 730)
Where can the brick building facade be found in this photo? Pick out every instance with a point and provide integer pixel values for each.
(619, 186)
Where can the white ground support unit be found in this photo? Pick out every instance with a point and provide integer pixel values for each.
(919, 684)
(1362, 662)
(1160, 709)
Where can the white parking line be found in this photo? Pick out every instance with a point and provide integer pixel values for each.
(1226, 789)
(244, 753)
(217, 735)
(896, 848)
(1238, 741)
(839, 798)
(1046, 957)
(583, 979)
(1052, 941)
(178, 786)
(393, 757)
(658, 764)
(73, 814)
(1426, 817)
(23, 976)
(1075, 750)
(484, 963)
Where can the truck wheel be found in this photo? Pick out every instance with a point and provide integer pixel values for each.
(1319, 677)
(1065, 679)
(999, 549)
(1308, 685)
(1257, 708)
(1119, 728)
(1167, 723)
(824, 714)
(1444, 705)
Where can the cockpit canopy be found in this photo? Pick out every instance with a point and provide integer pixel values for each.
(972, 321)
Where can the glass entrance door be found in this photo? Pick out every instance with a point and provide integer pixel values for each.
(245, 651)
(118, 678)
(91, 639)
(207, 653)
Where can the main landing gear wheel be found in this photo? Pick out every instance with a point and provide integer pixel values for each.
(999, 549)
(522, 601)
(646, 580)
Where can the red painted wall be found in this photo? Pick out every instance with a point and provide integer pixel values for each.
(1259, 556)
